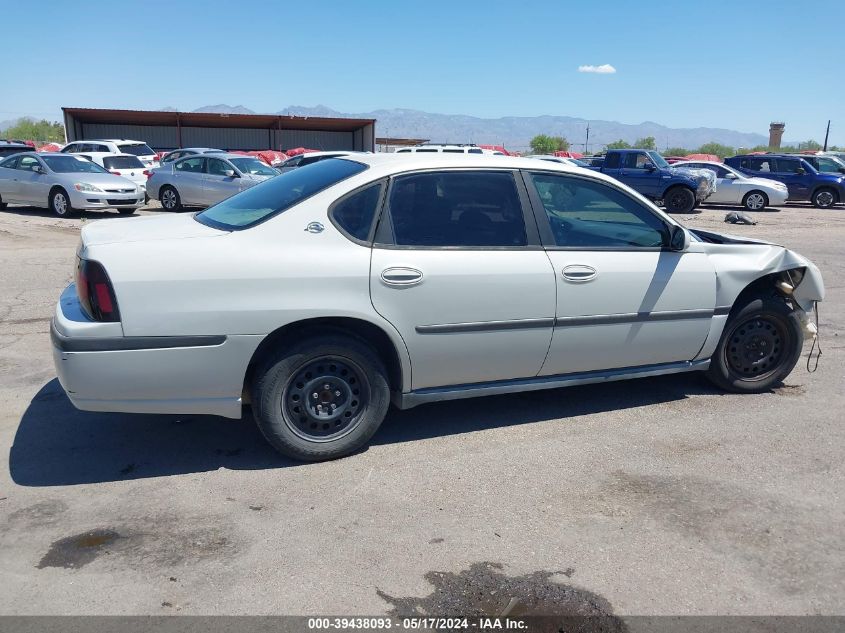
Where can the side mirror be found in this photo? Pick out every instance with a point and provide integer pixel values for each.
(649, 167)
(38, 169)
(800, 171)
(842, 170)
(678, 239)
(230, 173)
(730, 176)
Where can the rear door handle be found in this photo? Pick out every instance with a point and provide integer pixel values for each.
(401, 276)
(578, 273)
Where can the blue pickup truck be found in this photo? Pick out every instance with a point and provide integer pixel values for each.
(804, 182)
(648, 173)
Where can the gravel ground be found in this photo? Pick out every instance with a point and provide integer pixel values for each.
(655, 496)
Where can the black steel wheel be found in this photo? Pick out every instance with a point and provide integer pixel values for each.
(760, 345)
(679, 199)
(322, 397)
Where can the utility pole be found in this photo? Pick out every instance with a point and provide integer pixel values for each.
(826, 134)
(587, 141)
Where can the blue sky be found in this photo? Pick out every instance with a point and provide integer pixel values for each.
(736, 65)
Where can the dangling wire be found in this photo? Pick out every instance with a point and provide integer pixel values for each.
(816, 342)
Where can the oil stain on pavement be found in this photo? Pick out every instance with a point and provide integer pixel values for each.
(77, 551)
(484, 590)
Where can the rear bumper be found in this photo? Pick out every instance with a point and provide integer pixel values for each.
(102, 370)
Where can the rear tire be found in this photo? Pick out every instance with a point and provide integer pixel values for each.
(755, 201)
(3, 205)
(322, 398)
(760, 345)
(60, 203)
(679, 199)
(824, 198)
(170, 200)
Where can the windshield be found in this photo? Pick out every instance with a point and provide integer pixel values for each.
(253, 166)
(658, 159)
(138, 149)
(72, 165)
(275, 195)
(122, 162)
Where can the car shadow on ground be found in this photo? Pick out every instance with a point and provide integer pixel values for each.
(56, 445)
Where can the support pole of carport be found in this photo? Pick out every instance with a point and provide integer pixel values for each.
(179, 130)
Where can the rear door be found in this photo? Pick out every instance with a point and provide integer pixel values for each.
(217, 185)
(187, 177)
(461, 275)
(796, 175)
(623, 300)
(638, 173)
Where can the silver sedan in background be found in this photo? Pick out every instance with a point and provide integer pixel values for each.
(203, 180)
(176, 154)
(65, 183)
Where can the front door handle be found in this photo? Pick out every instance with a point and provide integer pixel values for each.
(579, 273)
(401, 276)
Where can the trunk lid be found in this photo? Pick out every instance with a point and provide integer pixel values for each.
(146, 229)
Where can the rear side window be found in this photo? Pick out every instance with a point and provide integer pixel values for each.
(276, 195)
(758, 164)
(457, 209)
(588, 214)
(190, 165)
(10, 163)
(354, 214)
(788, 166)
(612, 161)
(122, 162)
(475, 151)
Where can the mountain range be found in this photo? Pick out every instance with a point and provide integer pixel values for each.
(513, 132)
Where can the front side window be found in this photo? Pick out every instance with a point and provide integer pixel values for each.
(28, 163)
(829, 165)
(194, 165)
(217, 167)
(276, 195)
(67, 149)
(588, 214)
(637, 161)
(354, 214)
(457, 209)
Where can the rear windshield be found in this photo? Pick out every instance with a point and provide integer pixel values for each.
(122, 162)
(138, 149)
(72, 165)
(275, 195)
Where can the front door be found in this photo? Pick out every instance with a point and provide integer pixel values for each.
(623, 299)
(461, 275)
(32, 187)
(217, 185)
(795, 174)
(638, 173)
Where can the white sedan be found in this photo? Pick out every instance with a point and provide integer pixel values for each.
(325, 293)
(735, 188)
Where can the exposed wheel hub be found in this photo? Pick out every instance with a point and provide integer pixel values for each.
(324, 398)
(756, 347)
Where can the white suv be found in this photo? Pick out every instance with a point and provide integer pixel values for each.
(114, 146)
(325, 293)
(447, 149)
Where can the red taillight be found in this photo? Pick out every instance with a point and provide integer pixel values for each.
(148, 173)
(95, 291)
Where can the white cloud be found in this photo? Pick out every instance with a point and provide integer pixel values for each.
(604, 69)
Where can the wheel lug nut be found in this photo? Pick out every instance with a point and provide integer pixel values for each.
(337, 393)
(315, 396)
(334, 406)
(327, 386)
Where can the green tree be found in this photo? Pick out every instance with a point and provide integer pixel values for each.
(722, 151)
(28, 129)
(645, 143)
(545, 144)
(676, 151)
(620, 144)
(811, 144)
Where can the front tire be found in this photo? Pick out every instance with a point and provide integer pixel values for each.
(679, 200)
(760, 345)
(170, 199)
(60, 203)
(755, 201)
(824, 198)
(322, 398)
(126, 211)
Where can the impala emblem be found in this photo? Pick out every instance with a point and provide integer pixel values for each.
(315, 227)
